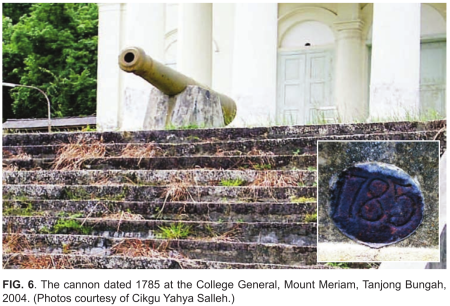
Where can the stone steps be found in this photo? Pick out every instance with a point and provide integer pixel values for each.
(294, 233)
(283, 146)
(258, 162)
(164, 177)
(207, 198)
(195, 211)
(220, 251)
(155, 193)
(195, 135)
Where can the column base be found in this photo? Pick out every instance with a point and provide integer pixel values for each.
(389, 102)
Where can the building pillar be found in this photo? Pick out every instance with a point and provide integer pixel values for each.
(194, 46)
(108, 74)
(348, 91)
(395, 65)
(145, 28)
(254, 82)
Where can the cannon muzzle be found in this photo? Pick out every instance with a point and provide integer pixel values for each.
(166, 79)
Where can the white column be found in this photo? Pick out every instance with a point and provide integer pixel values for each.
(223, 29)
(395, 67)
(255, 63)
(145, 28)
(348, 90)
(194, 46)
(108, 74)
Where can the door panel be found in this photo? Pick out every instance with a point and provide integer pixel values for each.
(304, 83)
(432, 77)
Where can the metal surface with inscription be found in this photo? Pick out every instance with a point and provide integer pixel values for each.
(376, 204)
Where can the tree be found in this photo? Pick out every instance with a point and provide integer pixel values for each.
(53, 47)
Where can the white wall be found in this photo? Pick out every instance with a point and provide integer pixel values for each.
(313, 32)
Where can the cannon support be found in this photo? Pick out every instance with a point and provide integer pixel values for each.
(166, 79)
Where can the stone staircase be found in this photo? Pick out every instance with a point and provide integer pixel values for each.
(204, 198)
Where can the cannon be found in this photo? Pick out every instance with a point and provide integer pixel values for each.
(166, 79)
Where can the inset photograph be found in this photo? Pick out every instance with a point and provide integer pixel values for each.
(378, 201)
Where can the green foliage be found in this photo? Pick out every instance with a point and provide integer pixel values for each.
(64, 214)
(175, 231)
(193, 138)
(44, 230)
(70, 227)
(311, 218)
(76, 194)
(88, 128)
(171, 126)
(16, 10)
(295, 199)
(53, 47)
(22, 211)
(236, 182)
(116, 197)
(262, 167)
(342, 265)
(310, 168)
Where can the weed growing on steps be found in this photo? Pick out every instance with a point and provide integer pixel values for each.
(295, 199)
(20, 155)
(311, 168)
(88, 128)
(72, 156)
(141, 151)
(274, 179)
(70, 226)
(19, 198)
(63, 214)
(311, 218)
(342, 265)
(229, 236)
(193, 138)
(76, 195)
(171, 126)
(267, 161)
(44, 230)
(174, 231)
(408, 116)
(117, 197)
(22, 211)
(46, 262)
(176, 191)
(66, 248)
(138, 248)
(14, 243)
(262, 166)
(231, 183)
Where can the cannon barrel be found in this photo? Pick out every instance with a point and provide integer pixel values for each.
(166, 79)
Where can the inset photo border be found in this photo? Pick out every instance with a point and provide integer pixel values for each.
(378, 201)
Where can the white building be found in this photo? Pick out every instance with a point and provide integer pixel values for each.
(293, 63)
